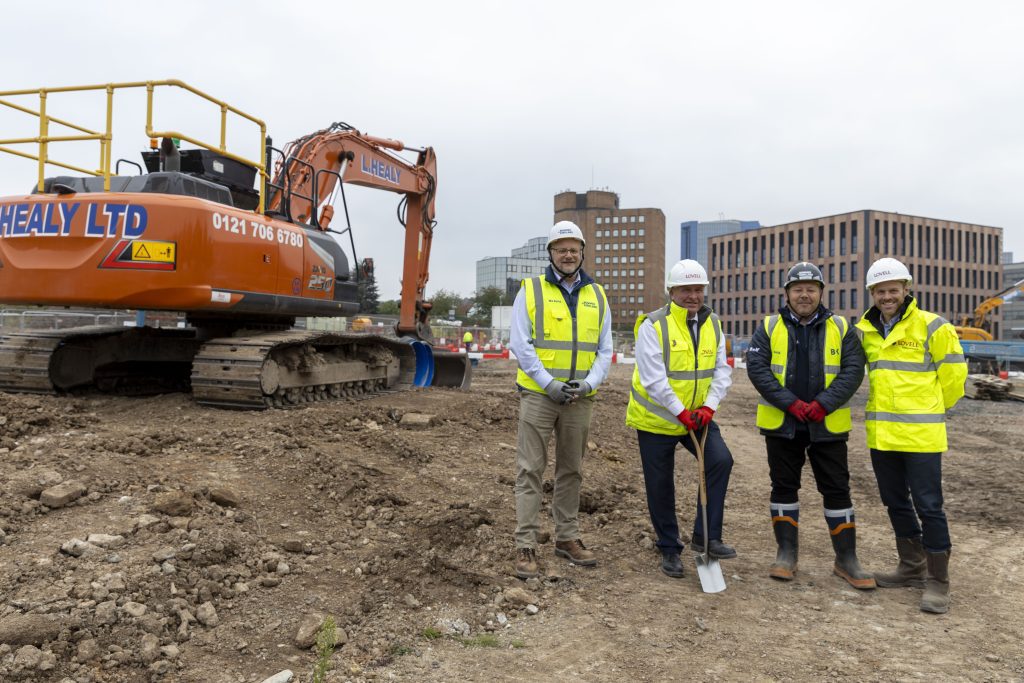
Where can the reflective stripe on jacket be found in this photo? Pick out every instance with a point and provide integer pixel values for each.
(916, 373)
(566, 344)
(690, 370)
(768, 416)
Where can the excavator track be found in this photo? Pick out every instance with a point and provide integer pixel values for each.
(260, 370)
(112, 359)
(288, 368)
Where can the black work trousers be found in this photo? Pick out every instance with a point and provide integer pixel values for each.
(828, 462)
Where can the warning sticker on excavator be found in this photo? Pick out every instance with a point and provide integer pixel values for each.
(153, 252)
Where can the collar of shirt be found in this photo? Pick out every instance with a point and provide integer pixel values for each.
(570, 285)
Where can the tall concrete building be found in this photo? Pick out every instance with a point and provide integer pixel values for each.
(693, 236)
(506, 272)
(625, 250)
(955, 265)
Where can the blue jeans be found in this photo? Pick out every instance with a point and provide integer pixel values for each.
(911, 488)
(657, 454)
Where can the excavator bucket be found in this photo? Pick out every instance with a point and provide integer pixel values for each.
(452, 370)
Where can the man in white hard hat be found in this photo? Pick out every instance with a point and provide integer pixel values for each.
(681, 377)
(917, 370)
(561, 337)
(806, 362)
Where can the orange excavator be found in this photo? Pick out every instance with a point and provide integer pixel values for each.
(211, 234)
(975, 327)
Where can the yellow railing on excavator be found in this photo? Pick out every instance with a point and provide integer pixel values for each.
(105, 137)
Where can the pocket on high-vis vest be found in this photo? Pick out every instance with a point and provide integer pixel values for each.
(916, 401)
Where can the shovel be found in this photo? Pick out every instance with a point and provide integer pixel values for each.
(708, 568)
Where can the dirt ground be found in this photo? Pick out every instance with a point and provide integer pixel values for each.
(217, 534)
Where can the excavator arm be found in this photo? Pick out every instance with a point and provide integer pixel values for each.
(310, 170)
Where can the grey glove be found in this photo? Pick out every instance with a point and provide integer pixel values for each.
(579, 388)
(558, 391)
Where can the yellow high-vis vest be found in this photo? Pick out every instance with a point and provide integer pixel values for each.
(566, 346)
(916, 373)
(770, 417)
(690, 370)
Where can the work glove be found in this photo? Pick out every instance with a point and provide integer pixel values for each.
(702, 416)
(579, 387)
(798, 409)
(558, 391)
(686, 417)
(815, 412)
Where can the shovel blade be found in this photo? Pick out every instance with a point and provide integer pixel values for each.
(709, 570)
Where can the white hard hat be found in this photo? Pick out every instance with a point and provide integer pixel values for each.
(686, 272)
(565, 230)
(887, 270)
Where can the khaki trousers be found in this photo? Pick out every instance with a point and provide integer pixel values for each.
(538, 417)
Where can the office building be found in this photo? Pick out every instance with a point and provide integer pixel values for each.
(506, 272)
(955, 265)
(694, 235)
(625, 251)
(1012, 311)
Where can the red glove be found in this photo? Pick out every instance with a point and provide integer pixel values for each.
(798, 409)
(687, 418)
(702, 416)
(815, 412)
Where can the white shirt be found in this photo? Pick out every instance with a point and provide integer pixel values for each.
(654, 376)
(521, 345)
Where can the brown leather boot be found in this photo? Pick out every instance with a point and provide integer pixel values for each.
(575, 552)
(911, 569)
(526, 563)
(936, 587)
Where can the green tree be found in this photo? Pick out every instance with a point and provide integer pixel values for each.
(389, 307)
(486, 299)
(444, 302)
(369, 299)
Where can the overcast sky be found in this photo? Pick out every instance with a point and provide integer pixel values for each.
(774, 111)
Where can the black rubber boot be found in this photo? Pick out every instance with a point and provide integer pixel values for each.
(847, 567)
(936, 587)
(911, 569)
(787, 535)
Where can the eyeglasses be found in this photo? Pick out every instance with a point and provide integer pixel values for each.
(570, 252)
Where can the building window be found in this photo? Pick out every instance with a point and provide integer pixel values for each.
(853, 298)
(853, 238)
(632, 232)
(599, 223)
(640, 272)
(832, 299)
(615, 220)
(641, 246)
(640, 285)
(640, 259)
(831, 240)
(853, 271)
(640, 299)
(842, 272)
(641, 220)
(842, 298)
(842, 239)
(632, 259)
(615, 232)
(632, 219)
